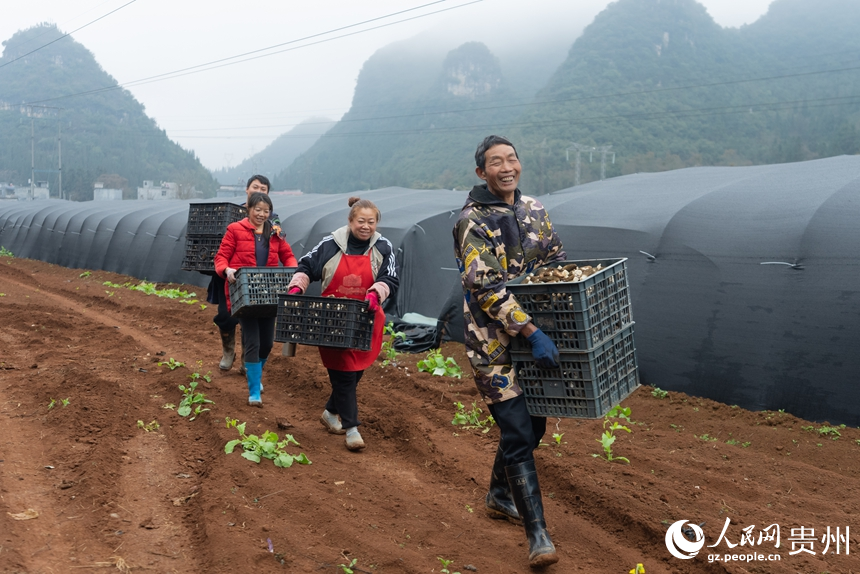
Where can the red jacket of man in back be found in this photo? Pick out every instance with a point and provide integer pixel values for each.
(238, 250)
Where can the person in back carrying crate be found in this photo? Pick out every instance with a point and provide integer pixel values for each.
(225, 323)
(355, 262)
(500, 235)
(253, 242)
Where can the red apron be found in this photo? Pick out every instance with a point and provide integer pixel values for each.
(352, 278)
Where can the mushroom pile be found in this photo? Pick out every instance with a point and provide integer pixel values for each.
(570, 273)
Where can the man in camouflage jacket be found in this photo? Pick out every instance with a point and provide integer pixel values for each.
(500, 235)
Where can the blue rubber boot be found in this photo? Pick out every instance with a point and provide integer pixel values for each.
(254, 372)
(263, 363)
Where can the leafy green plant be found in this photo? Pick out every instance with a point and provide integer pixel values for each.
(733, 442)
(745, 444)
(171, 364)
(706, 437)
(659, 393)
(445, 564)
(472, 418)
(5, 252)
(388, 352)
(348, 569)
(557, 437)
(438, 366)
(148, 427)
(255, 448)
(85, 274)
(150, 289)
(53, 403)
(832, 432)
(65, 402)
(607, 439)
(192, 399)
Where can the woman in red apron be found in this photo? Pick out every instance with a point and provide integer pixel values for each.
(355, 262)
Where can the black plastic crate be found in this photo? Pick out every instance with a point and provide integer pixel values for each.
(577, 316)
(255, 292)
(200, 253)
(587, 385)
(212, 218)
(324, 322)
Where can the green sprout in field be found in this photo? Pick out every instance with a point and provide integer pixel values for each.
(608, 437)
(557, 438)
(438, 366)
(255, 448)
(192, 400)
(445, 564)
(389, 353)
(171, 364)
(148, 427)
(5, 252)
(472, 419)
(85, 274)
(659, 393)
(348, 569)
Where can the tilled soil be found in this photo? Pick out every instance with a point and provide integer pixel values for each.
(111, 495)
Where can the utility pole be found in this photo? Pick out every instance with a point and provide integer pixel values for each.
(579, 148)
(60, 155)
(32, 158)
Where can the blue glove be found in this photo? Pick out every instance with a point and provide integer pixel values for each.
(544, 350)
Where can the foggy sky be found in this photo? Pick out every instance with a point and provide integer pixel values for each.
(228, 113)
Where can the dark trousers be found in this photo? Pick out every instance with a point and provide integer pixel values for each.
(258, 337)
(223, 319)
(521, 432)
(343, 401)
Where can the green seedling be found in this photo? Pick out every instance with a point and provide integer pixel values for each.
(832, 432)
(171, 364)
(733, 442)
(438, 366)
(52, 403)
(348, 569)
(745, 444)
(607, 439)
(148, 427)
(65, 402)
(5, 252)
(557, 437)
(472, 419)
(388, 352)
(659, 393)
(202, 307)
(445, 564)
(85, 274)
(170, 406)
(192, 400)
(857, 441)
(706, 437)
(809, 428)
(266, 446)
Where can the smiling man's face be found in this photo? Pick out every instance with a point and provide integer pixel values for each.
(501, 171)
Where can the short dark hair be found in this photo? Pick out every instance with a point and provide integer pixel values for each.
(490, 141)
(262, 179)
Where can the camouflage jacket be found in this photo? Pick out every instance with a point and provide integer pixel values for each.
(495, 242)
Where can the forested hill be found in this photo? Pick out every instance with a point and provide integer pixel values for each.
(278, 155)
(658, 80)
(667, 88)
(405, 126)
(104, 133)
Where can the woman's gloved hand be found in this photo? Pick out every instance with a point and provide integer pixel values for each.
(372, 301)
(230, 274)
(544, 350)
(294, 291)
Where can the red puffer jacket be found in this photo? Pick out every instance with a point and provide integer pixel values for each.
(238, 250)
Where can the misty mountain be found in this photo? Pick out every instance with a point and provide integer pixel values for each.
(105, 131)
(278, 155)
(657, 80)
(409, 124)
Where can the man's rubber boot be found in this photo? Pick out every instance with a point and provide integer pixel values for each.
(525, 491)
(254, 374)
(228, 344)
(263, 363)
(499, 503)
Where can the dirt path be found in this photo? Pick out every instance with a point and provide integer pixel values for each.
(111, 495)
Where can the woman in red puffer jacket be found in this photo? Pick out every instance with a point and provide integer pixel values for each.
(253, 242)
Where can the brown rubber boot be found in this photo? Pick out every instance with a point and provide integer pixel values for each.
(228, 344)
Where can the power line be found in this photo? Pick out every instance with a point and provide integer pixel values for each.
(67, 35)
(226, 61)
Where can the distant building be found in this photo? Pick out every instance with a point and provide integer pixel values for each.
(100, 193)
(166, 190)
(40, 191)
(287, 192)
(228, 191)
(7, 191)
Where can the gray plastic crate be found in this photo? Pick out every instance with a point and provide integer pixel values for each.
(324, 322)
(212, 218)
(587, 385)
(255, 292)
(577, 316)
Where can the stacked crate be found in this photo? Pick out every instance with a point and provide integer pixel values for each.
(207, 223)
(591, 324)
